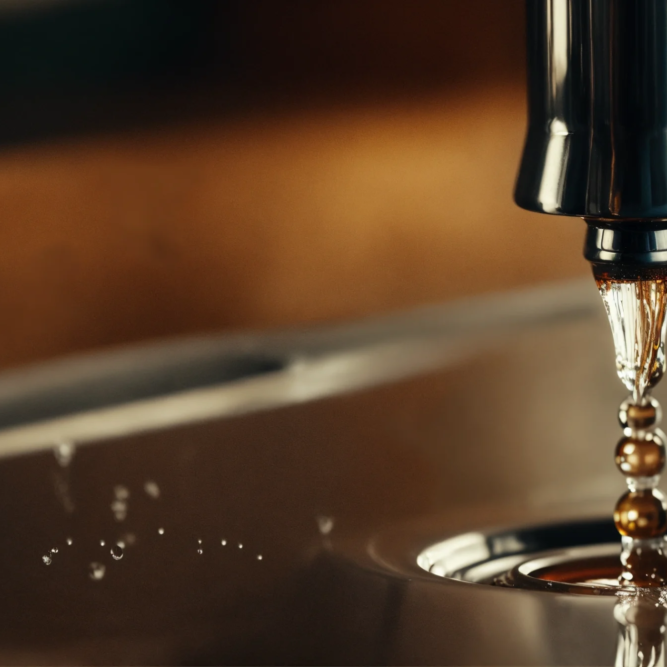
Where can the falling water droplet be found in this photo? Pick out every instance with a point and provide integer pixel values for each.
(152, 489)
(117, 552)
(69, 541)
(160, 531)
(224, 543)
(260, 557)
(102, 543)
(325, 524)
(64, 452)
(240, 545)
(96, 571)
(198, 541)
(47, 560)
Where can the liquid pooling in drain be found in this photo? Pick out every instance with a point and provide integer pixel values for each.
(636, 311)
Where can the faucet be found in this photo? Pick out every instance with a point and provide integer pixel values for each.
(596, 145)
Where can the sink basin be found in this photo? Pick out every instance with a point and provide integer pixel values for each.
(286, 460)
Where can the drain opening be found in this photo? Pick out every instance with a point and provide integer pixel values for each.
(575, 557)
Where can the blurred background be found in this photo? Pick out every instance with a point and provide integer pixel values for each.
(172, 167)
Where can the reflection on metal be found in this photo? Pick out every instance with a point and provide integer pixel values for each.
(99, 397)
(641, 638)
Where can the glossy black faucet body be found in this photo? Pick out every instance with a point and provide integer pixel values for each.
(596, 145)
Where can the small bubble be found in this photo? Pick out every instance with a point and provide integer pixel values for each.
(69, 541)
(47, 560)
(224, 543)
(64, 452)
(240, 545)
(152, 489)
(54, 550)
(325, 524)
(260, 557)
(102, 543)
(117, 552)
(160, 531)
(200, 551)
(96, 571)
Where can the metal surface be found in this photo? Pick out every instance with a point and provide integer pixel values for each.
(597, 136)
(514, 433)
(152, 387)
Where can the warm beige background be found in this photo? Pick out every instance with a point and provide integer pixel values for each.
(342, 185)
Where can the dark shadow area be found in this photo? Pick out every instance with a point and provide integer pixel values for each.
(69, 67)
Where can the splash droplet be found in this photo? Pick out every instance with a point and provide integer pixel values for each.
(47, 560)
(160, 531)
(117, 552)
(224, 543)
(198, 541)
(69, 541)
(152, 489)
(200, 551)
(119, 509)
(64, 452)
(260, 557)
(102, 543)
(119, 504)
(325, 524)
(121, 492)
(54, 550)
(240, 545)
(96, 571)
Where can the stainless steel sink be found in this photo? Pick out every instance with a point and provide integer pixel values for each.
(336, 455)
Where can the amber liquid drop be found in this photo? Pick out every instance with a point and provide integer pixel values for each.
(636, 310)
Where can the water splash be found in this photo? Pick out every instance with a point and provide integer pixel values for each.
(152, 489)
(119, 504)
(96, 571)
(640, 613)
(64, 452)
(325, 524)
(47, 559)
